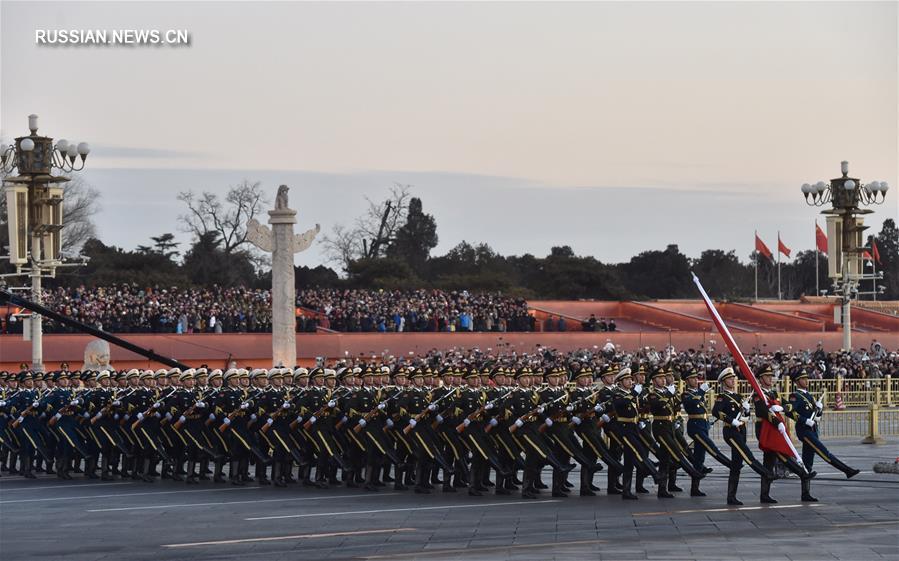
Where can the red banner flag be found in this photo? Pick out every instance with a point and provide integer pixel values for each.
(762, 248)
(867, 256)
(820, 239)
(781, 247)
(774, 438)
(874, 250)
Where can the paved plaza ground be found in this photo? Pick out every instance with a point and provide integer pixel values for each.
(91, 521)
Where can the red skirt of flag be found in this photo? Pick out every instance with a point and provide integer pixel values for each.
(770, 439)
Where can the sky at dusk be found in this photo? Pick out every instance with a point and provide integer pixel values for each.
(612, 127)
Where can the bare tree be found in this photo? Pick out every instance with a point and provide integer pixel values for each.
(372, 232)
(227, 219)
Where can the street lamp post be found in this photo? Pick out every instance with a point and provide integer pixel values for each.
(34, 203)
(846, 195)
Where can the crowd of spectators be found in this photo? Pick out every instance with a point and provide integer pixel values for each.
(129, 308)
(863, 363)
(416, 310)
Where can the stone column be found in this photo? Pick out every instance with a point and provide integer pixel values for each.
(284, 331)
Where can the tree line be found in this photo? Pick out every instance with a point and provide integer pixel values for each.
(391, 244)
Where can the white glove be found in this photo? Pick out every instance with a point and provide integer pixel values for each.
(140, 416)
(466, 422)
(285, 405)
(432, 407)
(493, 422)
(576, 420)
(269, 421)
(549, 422)
(227, 421)
(20, 419)
(819, 404)
(344, 419)
(439, 419)
(776, 409)
(746, 406)
(382, 406)
(737, 422)
(810, 422)
(412, 423)
(58, 416)
(116, 403)
(642, 424)
(157, 405)
(704, 386)
(781, 428)
(245, 405)
(540, 409)
(672, 389)
(312, 420)
(99, 415)
(488, 407)
(598, 408)
(86, 415)
(168, 416)
(116, 417)
(389, 423)
(253, 417)
(519, 423)
(2, 403)
(212, 416)
(36, 404)
(75, 402)
(605, 418)
(299, 419)
(638, 388)
(570, 408)
(362, 423)
(182, 419)
(332, 404)
(157, 415)
(127, 416)
(201, 404)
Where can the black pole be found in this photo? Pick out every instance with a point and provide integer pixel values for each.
(10, 298)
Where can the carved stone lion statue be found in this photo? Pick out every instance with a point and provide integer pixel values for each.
(281, 197)
(96, 356)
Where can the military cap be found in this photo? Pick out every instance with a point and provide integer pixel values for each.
(148, 374)
(726, 373)
(231, 373)
(622, 374)
(202, 371)
(766, 370)
(275, 373)
(357, 371)
(243, 373)
(802, 373)
(188, 374)
(330, 373)
(320, 372)
(585, 371)
(103, 374)
(659, 373)
(300, 373)
(174, 372)
(217, 373)
(38, 376)
(416, 372)
(4, 374)
(472, 373)
(258, 373)
(690, 373)
(133, 373)
(25, 375)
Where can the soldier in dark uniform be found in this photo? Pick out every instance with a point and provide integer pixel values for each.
(471, 406)
(609, 426)
(769, 413)
(732, 410)
(626, 412)
(644, 426)
(807, 411)
(694, 402)
(24, 409)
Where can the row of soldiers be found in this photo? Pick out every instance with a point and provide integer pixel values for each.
(448, 427)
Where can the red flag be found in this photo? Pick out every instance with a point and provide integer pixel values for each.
(785, 441)
(867, 256)
(771, 440)
(874, 250)
(820, 238)
(781, 247)
(762, 248)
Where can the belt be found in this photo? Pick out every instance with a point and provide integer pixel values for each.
(646, 417)
(627, 419)
(661, 418)
(703, 416)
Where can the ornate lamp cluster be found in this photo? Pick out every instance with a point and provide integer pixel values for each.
(845, 191)
(38, 155)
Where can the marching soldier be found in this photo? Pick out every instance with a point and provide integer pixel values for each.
(807, 411)
(694, 403)
(732, 410)
(626, 412)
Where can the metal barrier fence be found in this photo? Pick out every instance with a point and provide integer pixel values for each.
(840, 392)
(871, 424)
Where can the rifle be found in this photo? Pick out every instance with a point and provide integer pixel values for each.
(108, 407)
(539, 409)
(308, 424)
(150, 409)
(475, 414)
(578, 403)
(370, 415)
(22, 415)
(64, 410)
(408, 428)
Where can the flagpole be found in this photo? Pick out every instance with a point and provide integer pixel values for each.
(779, 294)
(756, 269)
(874, 264)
